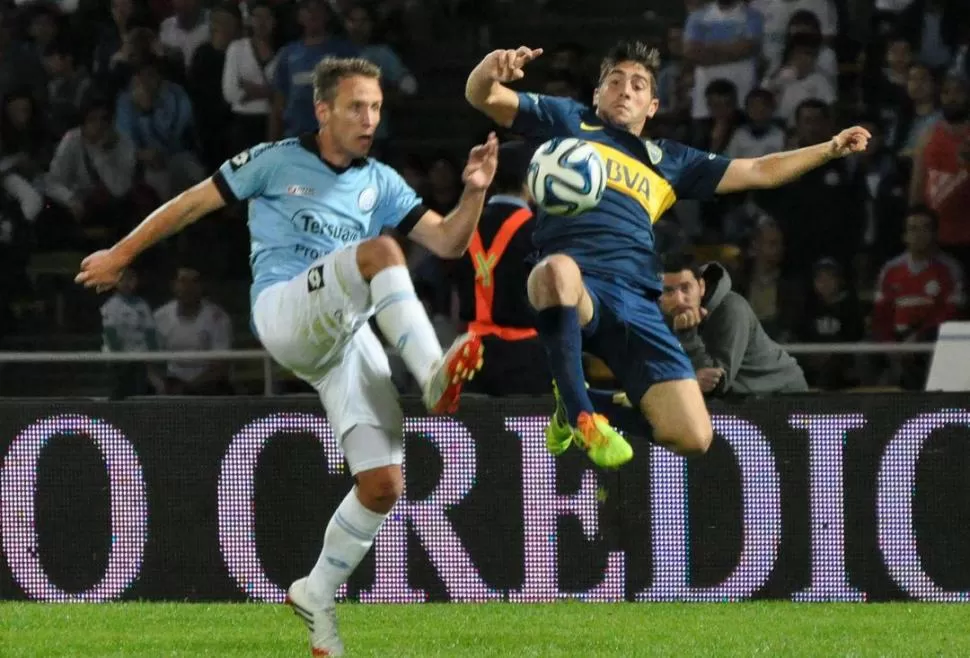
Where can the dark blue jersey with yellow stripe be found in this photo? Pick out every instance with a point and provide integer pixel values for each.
(615, 240)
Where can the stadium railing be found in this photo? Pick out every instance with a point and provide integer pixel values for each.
(267, 361)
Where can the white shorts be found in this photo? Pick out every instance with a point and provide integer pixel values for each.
(315, 325)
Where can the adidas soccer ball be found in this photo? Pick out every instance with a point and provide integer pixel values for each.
(567, 176)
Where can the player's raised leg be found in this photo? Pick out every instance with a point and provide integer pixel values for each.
(404, 323)
(564, 306)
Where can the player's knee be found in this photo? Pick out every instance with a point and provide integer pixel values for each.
(378, 254)
(378, 489)
(693, 440)
(556, 280)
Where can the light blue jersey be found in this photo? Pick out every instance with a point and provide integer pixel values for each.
(302, 208)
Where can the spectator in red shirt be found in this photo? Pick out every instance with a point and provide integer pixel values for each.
(917, 292)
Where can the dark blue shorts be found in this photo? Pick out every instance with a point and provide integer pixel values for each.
(629, 334)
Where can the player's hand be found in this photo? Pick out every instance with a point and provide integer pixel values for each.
(851, 140)
(709, 378)
(482, 162)
(506, 65)
(101, 270)
(689, 319)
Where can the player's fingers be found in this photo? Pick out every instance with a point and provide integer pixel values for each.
(81, 277)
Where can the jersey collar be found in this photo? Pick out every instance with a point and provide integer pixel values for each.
(309, 142)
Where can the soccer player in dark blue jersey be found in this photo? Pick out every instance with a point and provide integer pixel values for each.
(598, 281)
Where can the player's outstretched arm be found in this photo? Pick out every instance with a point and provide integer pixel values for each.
(448, 237)
(776, 169)
(484, 88)
(102, 269)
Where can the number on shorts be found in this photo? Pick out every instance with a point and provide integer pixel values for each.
(314, 278)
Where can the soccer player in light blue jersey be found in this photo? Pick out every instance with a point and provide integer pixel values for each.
(320, 271)
(598, 281)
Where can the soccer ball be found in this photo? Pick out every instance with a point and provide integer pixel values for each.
(567, 176)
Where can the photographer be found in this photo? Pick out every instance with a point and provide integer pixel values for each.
(730, 351)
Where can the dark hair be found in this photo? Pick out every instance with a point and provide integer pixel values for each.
(677, 262)
(329, 71)
(922, 210)
(721, 87)
(513, 165)
(813, 104)
(762, 93)
(93, 101)
(633, 51)
(805, 17)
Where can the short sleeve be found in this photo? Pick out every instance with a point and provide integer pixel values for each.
(696, 173)
(247, 174)
(398, 205)
(544, 116)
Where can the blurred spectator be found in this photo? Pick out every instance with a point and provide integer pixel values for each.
(832, 315)
(127, 325)
(730, 352)
(932, 26)
(672, 63)
(139, 47)
(564, 85)
(941, 169)
(185, 30)
(247, 79)
(759, 136)
(568, 57)
(396, 79)
(204, 83)
(93, 171)
(25, 142)
(798, 79)
(491, 281)
(899, 57)
(774, 297)
(807, 22)
(66, 88)
(821, 213)
(43, 26)
(112, 38)
(156, 115)
(917, 292)
(920, 113)
(778, 16)
(714, 134)
(192, 323)
(444, 184)
(293, 112)
(723, 39)
(20, 65)
(883, 183)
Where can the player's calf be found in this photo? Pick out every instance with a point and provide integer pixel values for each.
(679, 417)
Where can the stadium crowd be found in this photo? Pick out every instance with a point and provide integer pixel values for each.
(109, 110)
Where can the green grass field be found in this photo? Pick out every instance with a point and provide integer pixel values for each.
(562, 629)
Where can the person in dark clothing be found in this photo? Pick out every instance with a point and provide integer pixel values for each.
(832, 315)
(729, 350)
(492, 279)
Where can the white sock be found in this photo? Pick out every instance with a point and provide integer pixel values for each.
(402, 320)
(349, 536)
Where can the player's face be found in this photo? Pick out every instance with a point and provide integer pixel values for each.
(682, 292)
(352, 117)
(625, 96)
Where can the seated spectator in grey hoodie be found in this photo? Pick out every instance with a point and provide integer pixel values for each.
(730, 351)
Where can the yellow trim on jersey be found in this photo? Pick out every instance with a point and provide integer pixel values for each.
(636, 180)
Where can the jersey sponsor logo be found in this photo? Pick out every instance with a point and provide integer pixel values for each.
(588, 127)
(367, 199)
(314, 278)
(636, 180)
(309, 221)
(300, 190)
(239, 160)
(304, 251)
